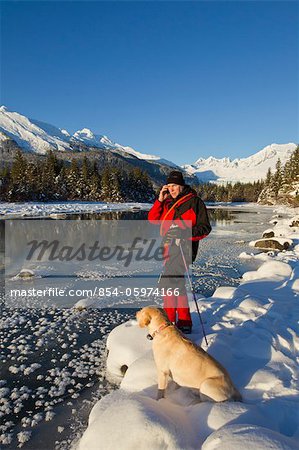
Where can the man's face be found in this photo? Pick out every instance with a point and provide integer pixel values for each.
(174, 189)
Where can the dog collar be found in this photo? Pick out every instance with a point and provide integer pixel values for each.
(151, 336)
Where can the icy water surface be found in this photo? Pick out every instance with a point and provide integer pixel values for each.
(218, 262)
(53, 359)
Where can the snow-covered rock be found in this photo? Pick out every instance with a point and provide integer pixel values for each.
(26, 274)
(272, 243)
(268, 233)
(274, 270)
(125, 344)
(131, 421)
(294, 221)
(85, 303)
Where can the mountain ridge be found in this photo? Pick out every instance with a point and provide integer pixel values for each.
(34, 136)
(251, 168)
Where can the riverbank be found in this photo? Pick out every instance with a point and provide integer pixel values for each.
(58, 210)
(253, 331)
(46, 209)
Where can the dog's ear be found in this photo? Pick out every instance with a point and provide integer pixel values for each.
(144, 319)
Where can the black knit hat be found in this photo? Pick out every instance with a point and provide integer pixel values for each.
(176, 177)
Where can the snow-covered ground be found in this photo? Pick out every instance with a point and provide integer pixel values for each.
(253, 331)
(53, 360)
(39, 209)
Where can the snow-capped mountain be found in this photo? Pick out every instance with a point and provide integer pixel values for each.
(34, 136)
(94, 140)
(38, 137)
(248, 169)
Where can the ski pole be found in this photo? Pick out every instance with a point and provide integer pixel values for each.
(193, 294)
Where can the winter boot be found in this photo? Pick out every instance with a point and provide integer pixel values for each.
(184, 322)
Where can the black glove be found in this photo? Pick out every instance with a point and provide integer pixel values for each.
(175, 232)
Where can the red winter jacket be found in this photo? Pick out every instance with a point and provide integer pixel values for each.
(186, 207)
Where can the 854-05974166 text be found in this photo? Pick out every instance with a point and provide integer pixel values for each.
(97, 291)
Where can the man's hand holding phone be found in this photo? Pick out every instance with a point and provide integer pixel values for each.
(163, 193)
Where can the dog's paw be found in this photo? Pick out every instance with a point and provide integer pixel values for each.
(160, 394)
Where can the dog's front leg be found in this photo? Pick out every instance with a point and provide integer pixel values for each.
(160, 394)
(162, 383)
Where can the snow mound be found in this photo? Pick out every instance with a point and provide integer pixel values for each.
(224, 292)
(274, 270)
(120, 420)
(249, 437)
(125, 344)
(85, 303)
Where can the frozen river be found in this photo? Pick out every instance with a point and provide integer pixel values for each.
(217, 261)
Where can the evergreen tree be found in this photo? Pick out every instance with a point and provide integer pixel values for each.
(277, 179)
(49, 172)
(294, 171)
(51, 179)
(287, 172)
(238, 193)
(4, 182)
(115, 194)
(95, 183)
(17, 188)
(62, 185)
(83, 183)
(95, 188)
(31, 176)
(268, 177)
(72, 179)
(105, 185)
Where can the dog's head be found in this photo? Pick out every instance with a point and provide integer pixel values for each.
(149, 313)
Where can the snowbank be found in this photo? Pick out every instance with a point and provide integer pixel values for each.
(253, 331)
(272, 269)
(132, 421)
(125, 344)
(232, 438)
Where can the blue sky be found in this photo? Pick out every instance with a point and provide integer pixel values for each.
(179, 79)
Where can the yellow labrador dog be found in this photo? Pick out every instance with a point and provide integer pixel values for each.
(186, 363)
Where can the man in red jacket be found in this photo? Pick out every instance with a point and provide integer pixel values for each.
(183, 217)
